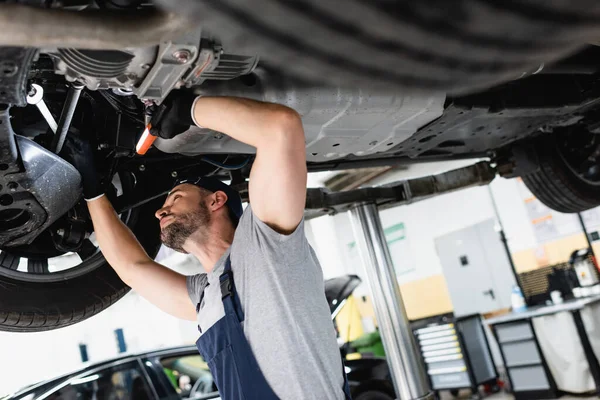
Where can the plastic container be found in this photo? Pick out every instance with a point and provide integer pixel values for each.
(517, 300)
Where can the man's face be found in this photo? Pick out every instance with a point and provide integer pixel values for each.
(184, 213)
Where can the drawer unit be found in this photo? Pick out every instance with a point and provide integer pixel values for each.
(441, 345)
(524, 363)
(450, 381)
(521, 353)
(443, 352)
(446, 366)
(529, 378)
(443, 356)
(513, 332)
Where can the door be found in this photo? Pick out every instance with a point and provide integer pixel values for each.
(476, 269)
(182, 375)
(115, 382)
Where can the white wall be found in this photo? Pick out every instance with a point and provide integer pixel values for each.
(428, 219)
(425, 220)
(513, 215)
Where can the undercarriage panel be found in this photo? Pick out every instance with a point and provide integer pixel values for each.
(337, 122)
(354, 125)
(508, 113)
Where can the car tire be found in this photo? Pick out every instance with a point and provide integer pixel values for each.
(36, 306)
(554, 183)
(373, 395)
(457, 46)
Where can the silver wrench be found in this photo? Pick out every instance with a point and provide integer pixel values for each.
(36, 97)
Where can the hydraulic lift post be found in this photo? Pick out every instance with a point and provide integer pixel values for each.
(406, 368)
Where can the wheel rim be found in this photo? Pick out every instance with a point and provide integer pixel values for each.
(580, 151)
(29, 266)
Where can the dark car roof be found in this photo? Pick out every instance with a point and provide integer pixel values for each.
(126, 357)
(339, 289)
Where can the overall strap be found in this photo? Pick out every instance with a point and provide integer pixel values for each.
(228, 293)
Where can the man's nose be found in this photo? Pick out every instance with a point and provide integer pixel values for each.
(161, 212)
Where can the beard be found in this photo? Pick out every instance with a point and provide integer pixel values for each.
(183, 226)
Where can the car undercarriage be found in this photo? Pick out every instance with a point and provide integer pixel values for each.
(104, 67)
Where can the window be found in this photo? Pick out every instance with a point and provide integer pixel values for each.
(190, 376)
(122, 382)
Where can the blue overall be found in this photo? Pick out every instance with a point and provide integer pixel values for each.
(229, 356)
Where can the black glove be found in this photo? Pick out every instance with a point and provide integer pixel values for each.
(78, 151)
(173, 116)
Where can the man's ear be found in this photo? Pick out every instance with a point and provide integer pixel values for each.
(219, 199)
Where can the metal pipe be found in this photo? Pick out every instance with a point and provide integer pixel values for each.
(407, 370)
(95, 29)
(66, 116)
(587, 235)
(393, 161)
(504, 239)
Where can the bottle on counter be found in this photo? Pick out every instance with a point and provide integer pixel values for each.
(517, 300)
(556, 297)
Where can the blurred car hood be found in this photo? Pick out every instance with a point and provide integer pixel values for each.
(337, 290)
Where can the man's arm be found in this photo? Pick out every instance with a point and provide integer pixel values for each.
(158, 284)
(278, 177)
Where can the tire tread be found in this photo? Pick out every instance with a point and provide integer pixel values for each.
(555, 185)
(31, 307)
(424, 45)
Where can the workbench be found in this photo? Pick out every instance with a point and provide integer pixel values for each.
(549, 350)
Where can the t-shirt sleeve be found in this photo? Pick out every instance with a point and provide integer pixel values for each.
(288, 249)
(195, 285)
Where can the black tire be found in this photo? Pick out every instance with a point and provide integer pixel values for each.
(555, 184)
(452, 46)
(34, 307)
(373, 395)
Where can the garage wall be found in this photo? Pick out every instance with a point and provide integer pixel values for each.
(416, 261)
(539, 236)
(415, 258)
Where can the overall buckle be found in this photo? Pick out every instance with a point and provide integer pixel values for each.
(226, 280)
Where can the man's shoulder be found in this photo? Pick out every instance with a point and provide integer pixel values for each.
(249, 222)
(256, 242)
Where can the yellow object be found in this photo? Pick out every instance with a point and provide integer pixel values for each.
(349, 321)
(365, 308)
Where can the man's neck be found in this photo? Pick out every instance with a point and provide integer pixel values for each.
(210, 248)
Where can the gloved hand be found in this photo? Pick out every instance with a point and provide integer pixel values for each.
(174, 115)
(79, 153)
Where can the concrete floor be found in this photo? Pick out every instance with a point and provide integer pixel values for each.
(502, 396)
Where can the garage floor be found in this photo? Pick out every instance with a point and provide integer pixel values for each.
(503, 396)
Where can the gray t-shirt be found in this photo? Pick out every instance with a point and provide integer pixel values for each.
(287, 320)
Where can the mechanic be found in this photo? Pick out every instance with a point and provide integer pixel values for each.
(270, 335)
